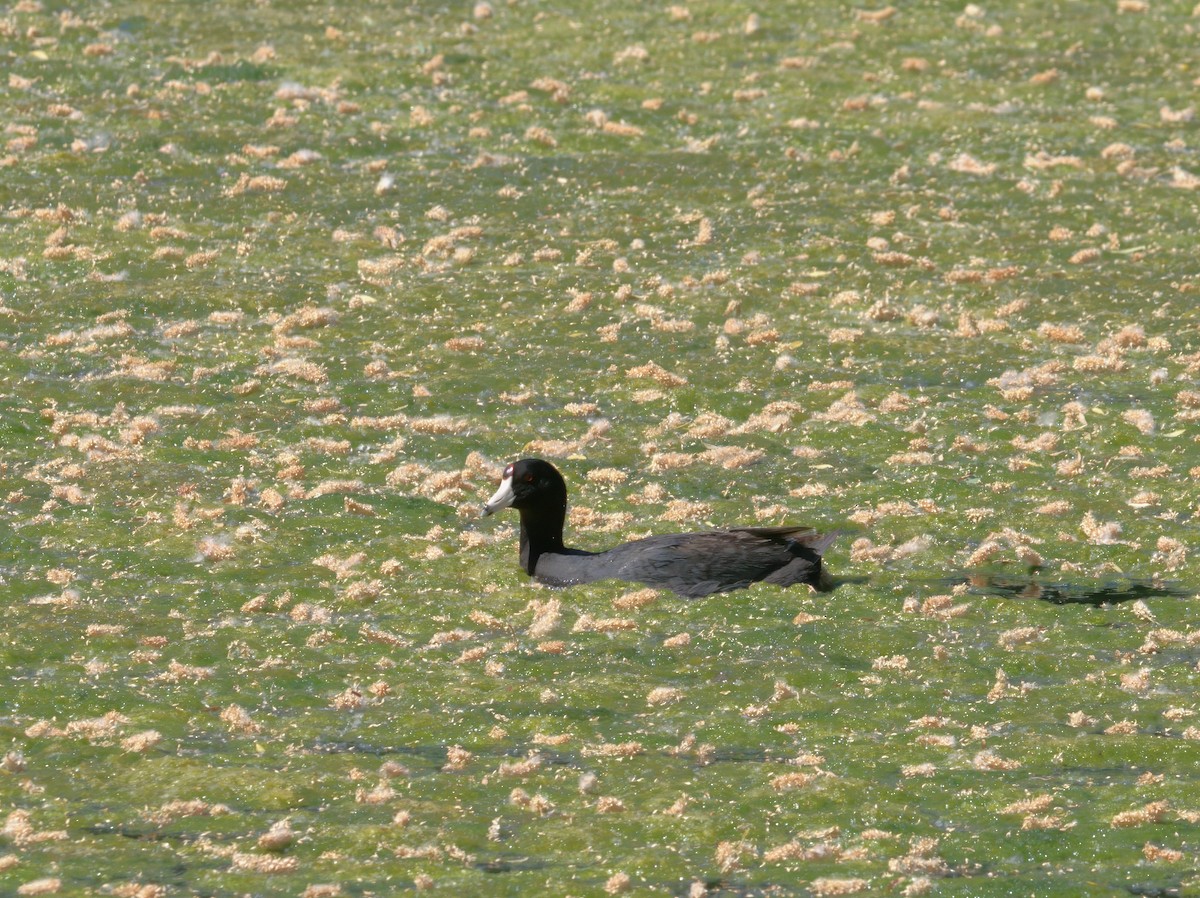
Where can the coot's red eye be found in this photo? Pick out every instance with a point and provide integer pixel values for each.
(529, 478)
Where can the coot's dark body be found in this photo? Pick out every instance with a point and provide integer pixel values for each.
(690, 564)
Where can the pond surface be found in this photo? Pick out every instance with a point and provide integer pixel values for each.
(284, 286)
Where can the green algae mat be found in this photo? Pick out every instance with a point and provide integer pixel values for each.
(283, 286)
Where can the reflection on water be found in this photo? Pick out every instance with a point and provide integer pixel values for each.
(1110, 592)
(509, 863)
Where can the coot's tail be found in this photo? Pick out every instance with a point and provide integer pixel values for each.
(807, 546)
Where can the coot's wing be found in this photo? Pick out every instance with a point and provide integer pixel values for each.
(698, 564)
(805, 536)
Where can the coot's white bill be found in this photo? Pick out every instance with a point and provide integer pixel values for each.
(504, 496)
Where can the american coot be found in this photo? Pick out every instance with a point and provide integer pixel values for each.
(691, 564)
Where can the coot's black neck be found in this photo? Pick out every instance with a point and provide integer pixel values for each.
(541, 532)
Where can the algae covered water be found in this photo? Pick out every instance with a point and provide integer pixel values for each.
(284, 286)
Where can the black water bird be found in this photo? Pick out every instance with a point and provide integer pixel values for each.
(690, 564)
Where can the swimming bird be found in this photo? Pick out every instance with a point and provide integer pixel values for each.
(690, 564)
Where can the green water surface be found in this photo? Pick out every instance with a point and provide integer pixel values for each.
(284, 285)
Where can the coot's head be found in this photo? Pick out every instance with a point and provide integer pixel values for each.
(529, 484)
